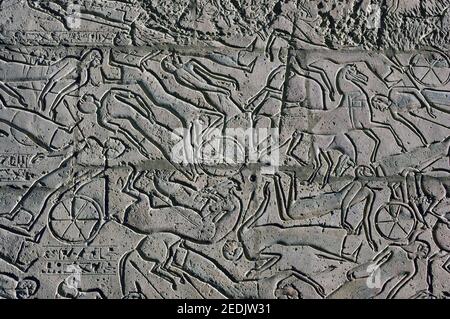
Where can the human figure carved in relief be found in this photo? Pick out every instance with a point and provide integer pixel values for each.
(402, 102)
(170, 212)
(327, 241)
(112, 13)
(233, 59)
(30, 128)
(214, 87)
(281, 284)
(60, 77)
(387, 274)
(186, 264)
(128, 114)
(11, 287)
(267, 103)
(357, 191)
(347, 117)
(165, 206)
(23, 223)
(76, 71)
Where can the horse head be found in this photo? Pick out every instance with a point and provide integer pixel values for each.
(350, 78)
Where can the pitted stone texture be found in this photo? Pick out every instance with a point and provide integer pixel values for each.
(416, 24)
(224, 149)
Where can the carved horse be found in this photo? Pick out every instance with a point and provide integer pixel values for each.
(169, 214)
(354, 113)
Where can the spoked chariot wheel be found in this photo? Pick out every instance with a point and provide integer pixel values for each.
(75, 219)
(395, 221)
(431, 69)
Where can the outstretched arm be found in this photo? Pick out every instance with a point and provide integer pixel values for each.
(201, 69)
(261, 210)
(276, 34)
(61, 74)
(400, 118)
(417, 94)
(405, 279)
(364, 270)
(349, 199)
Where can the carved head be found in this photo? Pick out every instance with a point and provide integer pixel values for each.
(419, 249)
(364, 171)
(88, 104)
(380, 102)
(27, 288)
(93, 58)
(134, 295)
(123, 39)
(422, 249)
(353, 74)
(287, 291)
(171, 63)
(232, 250)
(283, 55)
(224, 188)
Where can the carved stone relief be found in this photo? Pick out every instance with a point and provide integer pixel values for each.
(224, 149)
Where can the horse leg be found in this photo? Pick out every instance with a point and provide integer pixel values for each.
(391, 129)
(155, 248)
(408, 124)
(325, 79)
(268, 259)
(343, 164)
(367, 213)
(344, 144)
(61, 95)
(317, 164)
(295, 141)
(169, 268)
(329, 160)
(377, 141)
